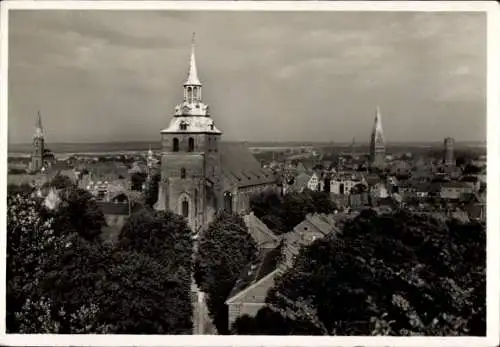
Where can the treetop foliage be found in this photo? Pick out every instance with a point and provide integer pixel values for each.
(282, 213)
(60, 281)
(162, 235)
(435, 269)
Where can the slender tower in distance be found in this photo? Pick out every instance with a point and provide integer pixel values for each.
(38, 145)
(377, 143)
(448, 157)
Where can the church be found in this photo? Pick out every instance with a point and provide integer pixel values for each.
(201, 175)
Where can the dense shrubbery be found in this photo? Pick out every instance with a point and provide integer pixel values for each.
(224, 250)
(282, 213)
(396, 274)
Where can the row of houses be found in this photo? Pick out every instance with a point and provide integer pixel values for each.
(276, 254)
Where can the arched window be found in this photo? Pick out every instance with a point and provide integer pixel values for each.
(228, 202)
(195, 93)
(175, 145)
(190, 94)
(191, 145)
(185, 208)
(183, 173)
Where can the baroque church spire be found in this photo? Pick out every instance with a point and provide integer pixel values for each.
(38, 126)
(192, 79)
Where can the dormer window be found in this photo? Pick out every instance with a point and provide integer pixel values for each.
(183, 125)
(212, 125)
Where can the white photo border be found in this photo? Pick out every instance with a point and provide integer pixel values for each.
(493, 155)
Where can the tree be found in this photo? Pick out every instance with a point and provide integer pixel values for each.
(77, 212)
(225, 248)
(23, 189)
(66, 284)
(151, 191)
(164, 236)
(270, 322)
(471, 170)
(30, 239)
(133, 292)
(138, 179)
(435, 272)
(282, 214)
(59, 182)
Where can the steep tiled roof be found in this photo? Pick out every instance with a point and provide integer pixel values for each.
(259, 231)
(240, 166)
(301, 180)
(323, 222)
(266, 262)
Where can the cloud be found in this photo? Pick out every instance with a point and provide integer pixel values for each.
(116, 75)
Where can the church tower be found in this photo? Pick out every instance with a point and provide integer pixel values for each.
(377, 143)
(190, 162)
(38, 145)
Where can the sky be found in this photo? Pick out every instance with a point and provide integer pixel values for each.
(102, 75)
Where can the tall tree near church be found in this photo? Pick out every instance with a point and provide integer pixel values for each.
(224, 250)
(163, 235)
(151, 191)
(282, 214)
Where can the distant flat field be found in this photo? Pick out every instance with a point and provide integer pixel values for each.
(122, 147)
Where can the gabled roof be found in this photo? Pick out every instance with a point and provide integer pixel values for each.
(259, 231)
(301, 180)
(240, 166)
(267, 261)
(323, 222)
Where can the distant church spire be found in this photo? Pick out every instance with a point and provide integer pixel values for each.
(377, 141)
(192, 79)
(38, 126)
(377, 127)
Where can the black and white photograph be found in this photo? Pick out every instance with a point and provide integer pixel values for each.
(236, 171)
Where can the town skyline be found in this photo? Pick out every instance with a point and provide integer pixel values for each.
(113, 84)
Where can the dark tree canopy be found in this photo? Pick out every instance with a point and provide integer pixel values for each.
(151, 191)
(282, 213)
(164, 236)
(138, 179)
(77, 212)
(60, 182)
(269, 322)
(135, 294)
(435, 271)
(225, 248)
(23, 189)
(62, 283)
